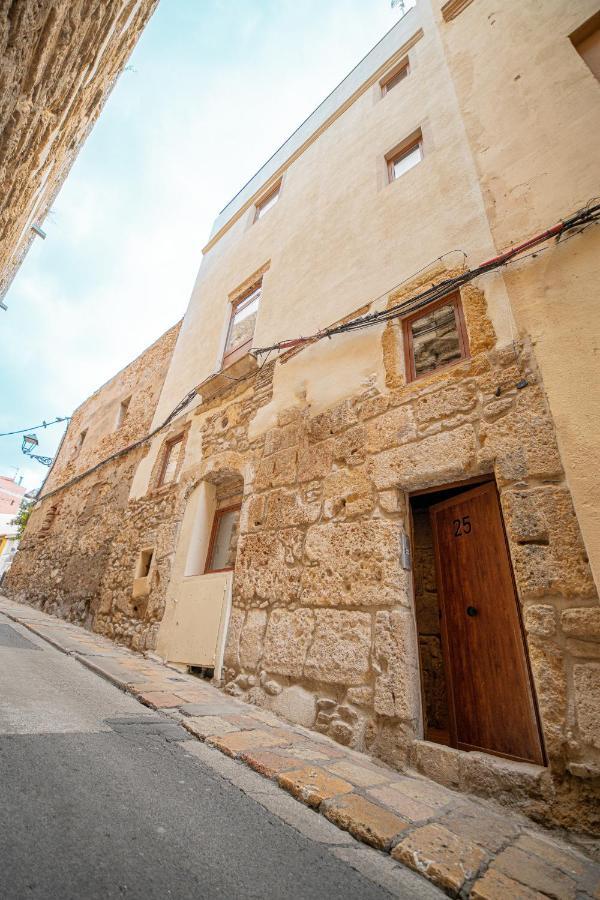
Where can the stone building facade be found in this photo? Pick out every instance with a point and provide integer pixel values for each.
(415, 546)
(59, 60)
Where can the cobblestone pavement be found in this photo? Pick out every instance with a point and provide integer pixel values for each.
(465, 846)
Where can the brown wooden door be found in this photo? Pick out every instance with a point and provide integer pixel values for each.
(491, 700)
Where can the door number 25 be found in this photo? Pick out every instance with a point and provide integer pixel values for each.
(461, 526)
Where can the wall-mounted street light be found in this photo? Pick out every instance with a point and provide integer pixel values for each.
(28, 445)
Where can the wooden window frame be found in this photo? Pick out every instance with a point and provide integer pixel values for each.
(403, 69)
(219, 513)
(231, 356)
(453, 299)
(165, 461)
(399, 153)
(275, 190)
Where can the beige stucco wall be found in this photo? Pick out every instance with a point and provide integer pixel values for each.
(531, 110)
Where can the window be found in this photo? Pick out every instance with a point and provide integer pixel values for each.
(586, 40)
(144, 562)
(434, 337)
(170, 464)
(223, 540)
(267, 202)
(402, 160)
(394, 78)
(123, 410)
(241, 325)
(80, 440)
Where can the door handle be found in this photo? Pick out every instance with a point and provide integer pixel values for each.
(471, 611)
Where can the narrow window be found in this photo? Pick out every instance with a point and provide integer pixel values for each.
(80, 441)
(394, 78)
(171, 460)
(268, 201)
(586, 40)
(144, 563)
(123, 410)
(406, 158)
(241, 325)
(434, 337)
(223, 540)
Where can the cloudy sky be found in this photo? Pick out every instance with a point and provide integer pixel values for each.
(212, 88)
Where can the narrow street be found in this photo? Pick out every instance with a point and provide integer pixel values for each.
(102, 797)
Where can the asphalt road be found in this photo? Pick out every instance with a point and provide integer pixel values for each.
(101, 797)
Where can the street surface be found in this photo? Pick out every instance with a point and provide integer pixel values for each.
(101, 797)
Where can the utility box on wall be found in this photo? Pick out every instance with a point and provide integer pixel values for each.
(198, 628)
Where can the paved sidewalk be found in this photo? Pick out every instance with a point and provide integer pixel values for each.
(466, 846)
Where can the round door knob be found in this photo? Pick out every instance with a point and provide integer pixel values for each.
(471, 611)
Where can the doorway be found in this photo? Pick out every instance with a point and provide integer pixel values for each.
(475, 678)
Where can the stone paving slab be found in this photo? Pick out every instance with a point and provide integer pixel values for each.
(466, 846)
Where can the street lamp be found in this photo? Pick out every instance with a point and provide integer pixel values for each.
(28, 445)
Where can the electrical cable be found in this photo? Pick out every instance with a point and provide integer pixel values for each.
(579, 220)
(33, 427)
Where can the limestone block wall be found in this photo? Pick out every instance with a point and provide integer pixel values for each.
(59, 60)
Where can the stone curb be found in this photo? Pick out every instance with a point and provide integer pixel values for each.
(389, 817)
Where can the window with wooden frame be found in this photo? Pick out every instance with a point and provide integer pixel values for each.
(406, 157)
(223, 539)
(434, 337)
(170, 463)
(267, 202)
(393, 78)
(241, 324)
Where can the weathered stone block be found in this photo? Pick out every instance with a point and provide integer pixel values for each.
(436, 761)
(340, 649)
(366, 821)
(251, 639)
(231, 657)
(281, 438)
(285, 508)
(535, 874)
(353, 564)
(586, 678)
(266, 566)
(522, 443)
(394, 428)
(360, 696)
(314, 463)
(395, 654)
(441, 457)
(582, 622)
(312, 785)
(350, 447)
(540, 620)
(276, 470)
(288, 637)
(332, 421)
(459, 397)
(296, 704)
(441, 856)
(348, 494)
(524, 515)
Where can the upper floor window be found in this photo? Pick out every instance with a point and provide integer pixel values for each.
(394, 77)
(405, 158)
(586, 40)
(170, 466)
(434, 337)
(268, 201)
(80, 441)
(241, 325)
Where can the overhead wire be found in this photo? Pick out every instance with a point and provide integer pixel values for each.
(33, 427)
(574, 224)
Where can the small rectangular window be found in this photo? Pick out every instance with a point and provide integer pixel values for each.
(405, 159)
(80, 441)
(241, 325)
(434, 337)
(144, 562)
(394, 78)
(223, 540)
(123, 410)
(265, 204)
(586, 40)
(171, 460)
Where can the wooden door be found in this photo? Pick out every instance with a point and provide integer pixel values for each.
(492, 706)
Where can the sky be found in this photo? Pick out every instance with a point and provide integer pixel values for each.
(212, 88)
